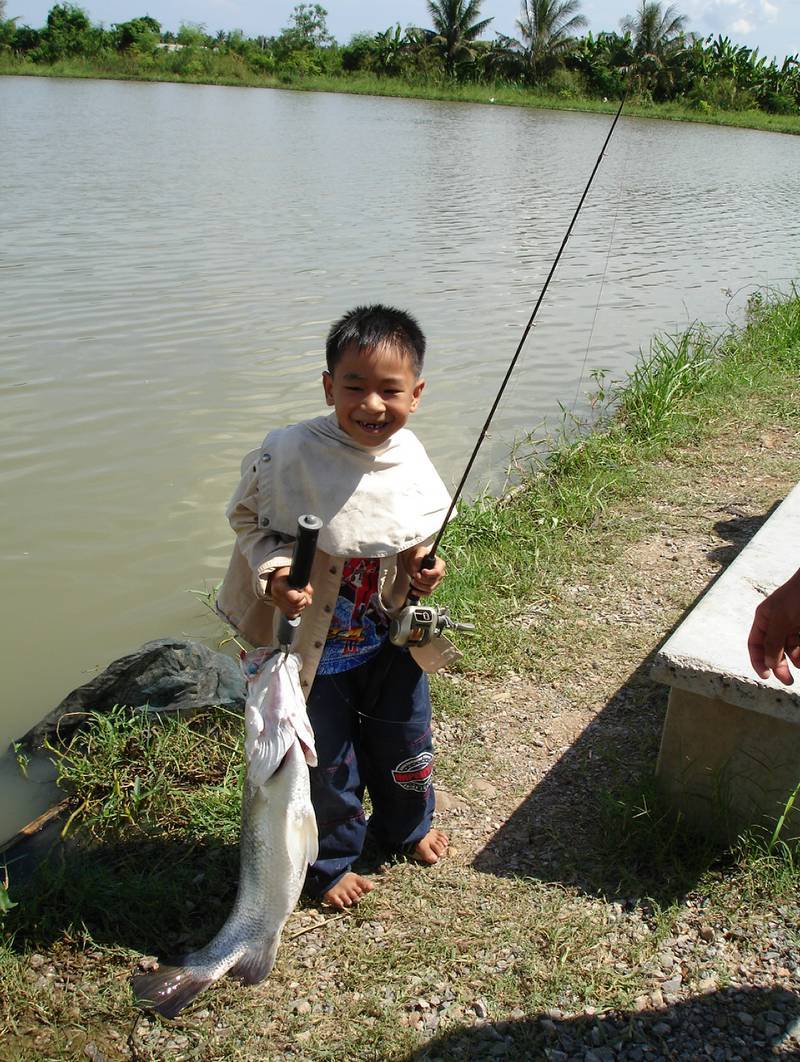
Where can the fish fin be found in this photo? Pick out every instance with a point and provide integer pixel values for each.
(168, 989)
(256, 962)
(303, 838)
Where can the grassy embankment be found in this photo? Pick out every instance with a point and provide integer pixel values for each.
(575, 927)
(211, 69)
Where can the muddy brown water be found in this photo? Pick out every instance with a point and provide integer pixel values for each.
(172, 256)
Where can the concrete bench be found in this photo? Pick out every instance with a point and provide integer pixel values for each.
(730, 750)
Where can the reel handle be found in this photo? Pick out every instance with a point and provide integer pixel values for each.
(305, 546)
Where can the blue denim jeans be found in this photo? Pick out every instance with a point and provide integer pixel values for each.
(372, 727)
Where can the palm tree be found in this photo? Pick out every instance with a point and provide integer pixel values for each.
(654, 31)
(455, 28)
(548, 30)
(658, 40)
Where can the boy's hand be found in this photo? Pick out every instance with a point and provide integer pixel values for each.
(290, 602)
(423, 580)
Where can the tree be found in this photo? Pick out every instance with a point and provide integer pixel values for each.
(68, 32)
(602, 62)
(309, 27)
(8, 27)
(548, 31)
(654, 31)
(193, 35)
(455, 28)
(139, 34)
(658, 41)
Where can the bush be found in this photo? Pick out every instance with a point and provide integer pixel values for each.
(723, 94)
(777, 103)
(567, 84)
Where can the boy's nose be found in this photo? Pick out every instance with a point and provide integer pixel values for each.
(373, 402)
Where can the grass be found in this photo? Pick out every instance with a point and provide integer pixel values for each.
(210, 69)
(151, 861)
(506, 554)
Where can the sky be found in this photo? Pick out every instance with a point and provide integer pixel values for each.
(773, 26)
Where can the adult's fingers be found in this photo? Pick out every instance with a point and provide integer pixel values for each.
(755, 642)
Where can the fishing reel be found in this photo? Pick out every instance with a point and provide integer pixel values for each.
(415, 625)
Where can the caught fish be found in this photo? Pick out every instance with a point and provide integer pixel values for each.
(278, 840)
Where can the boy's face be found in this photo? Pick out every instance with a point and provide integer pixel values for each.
(373, 392)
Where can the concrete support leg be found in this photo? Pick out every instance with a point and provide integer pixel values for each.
(726, 768)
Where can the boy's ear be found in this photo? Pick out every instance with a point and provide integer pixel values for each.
(327, 383)
(419, 387)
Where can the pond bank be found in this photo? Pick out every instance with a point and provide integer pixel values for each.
(497, 95)
(571, 913)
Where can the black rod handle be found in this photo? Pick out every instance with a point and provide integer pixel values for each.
(305, 546)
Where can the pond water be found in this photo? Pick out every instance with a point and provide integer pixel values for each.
(173, 255)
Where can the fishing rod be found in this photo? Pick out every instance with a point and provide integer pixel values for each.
(416, 624)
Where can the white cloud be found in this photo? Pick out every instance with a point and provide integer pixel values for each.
(736, 16)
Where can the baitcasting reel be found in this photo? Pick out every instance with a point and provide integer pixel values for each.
(415, 625)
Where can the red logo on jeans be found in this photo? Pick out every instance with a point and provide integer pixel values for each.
(415, 774)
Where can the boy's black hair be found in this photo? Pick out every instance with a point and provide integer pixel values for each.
(376, 326)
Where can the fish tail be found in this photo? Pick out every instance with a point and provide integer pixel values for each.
(168, 989)
(256, 962)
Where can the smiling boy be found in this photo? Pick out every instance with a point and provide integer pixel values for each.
(381, 502)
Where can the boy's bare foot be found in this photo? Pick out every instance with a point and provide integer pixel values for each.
(432, 847)
(349, 889)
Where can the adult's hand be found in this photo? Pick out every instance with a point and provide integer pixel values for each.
(775, 635)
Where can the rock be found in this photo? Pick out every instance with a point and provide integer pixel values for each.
(672, 986)
(449, 802)
(793, 1030)
(168, 675)
(480, 1008)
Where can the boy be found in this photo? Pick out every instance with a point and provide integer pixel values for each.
(381, 502)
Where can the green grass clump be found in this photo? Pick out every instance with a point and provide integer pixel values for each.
(504, 554)
(131, 770)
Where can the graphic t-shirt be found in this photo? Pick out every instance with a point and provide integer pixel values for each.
(358, 628)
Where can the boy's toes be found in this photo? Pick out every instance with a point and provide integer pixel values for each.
(349, 889)
(432, 847)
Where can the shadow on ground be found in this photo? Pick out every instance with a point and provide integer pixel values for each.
(750, 1023)
(596, 820)
(161, 896)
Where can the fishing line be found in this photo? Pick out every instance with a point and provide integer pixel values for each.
(602, 278)
(512, 364)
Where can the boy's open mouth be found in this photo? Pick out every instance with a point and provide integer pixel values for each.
(374, 428)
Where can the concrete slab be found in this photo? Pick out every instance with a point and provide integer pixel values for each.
(707, 654)
(727, 768)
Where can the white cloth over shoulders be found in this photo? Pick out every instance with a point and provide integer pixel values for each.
(373, 501)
